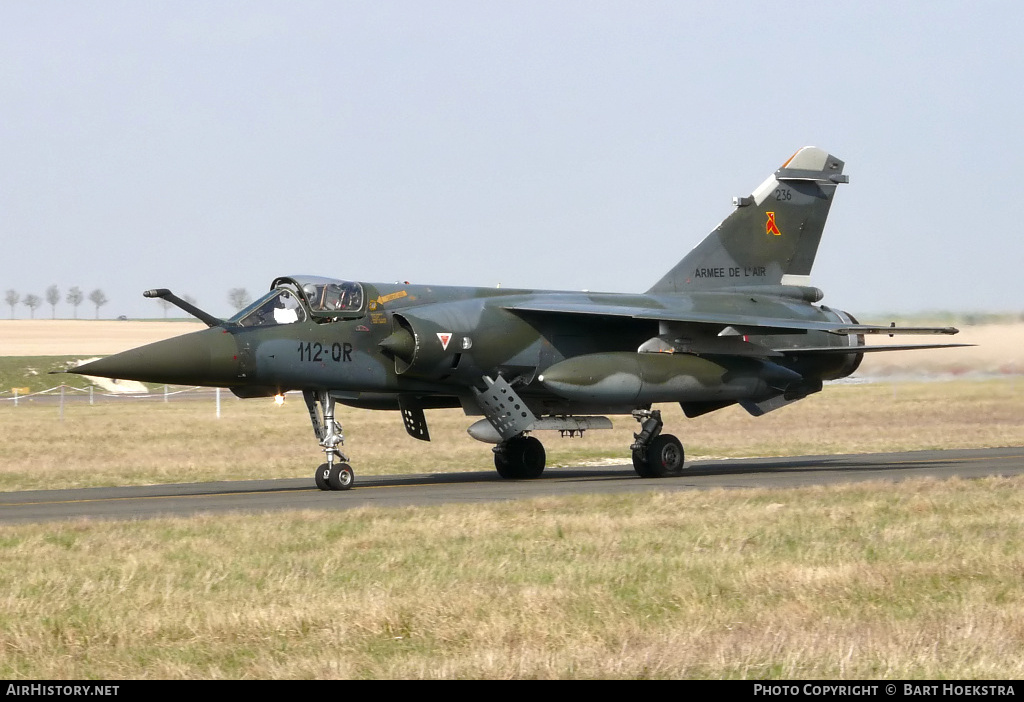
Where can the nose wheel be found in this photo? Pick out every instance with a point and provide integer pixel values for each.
(336, 473)
(334, 476)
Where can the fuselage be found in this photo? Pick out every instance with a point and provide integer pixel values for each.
(437, 342)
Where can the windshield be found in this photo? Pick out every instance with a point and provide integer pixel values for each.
(276, 307)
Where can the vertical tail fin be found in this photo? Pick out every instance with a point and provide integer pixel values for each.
(773, 235)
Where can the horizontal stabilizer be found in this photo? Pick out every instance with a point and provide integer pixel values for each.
(892, 329)
(866, 349)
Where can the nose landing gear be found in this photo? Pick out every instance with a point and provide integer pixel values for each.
(336, 473)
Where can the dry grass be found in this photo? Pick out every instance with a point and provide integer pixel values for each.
(998, 349)
(64, 337)
(134, 442)
(919, 580)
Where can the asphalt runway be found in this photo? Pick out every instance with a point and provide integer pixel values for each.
(442, 488)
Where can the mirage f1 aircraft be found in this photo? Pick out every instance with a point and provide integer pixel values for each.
(734, 322)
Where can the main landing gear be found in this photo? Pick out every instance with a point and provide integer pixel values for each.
(520, 458)
(336, 473)
(655, 455)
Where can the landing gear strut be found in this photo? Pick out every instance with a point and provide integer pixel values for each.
(520, 458)
(336, 473)
(655, 455)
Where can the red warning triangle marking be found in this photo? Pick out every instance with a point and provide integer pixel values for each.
(445, 337)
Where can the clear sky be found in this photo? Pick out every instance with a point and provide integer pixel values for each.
(203, 146)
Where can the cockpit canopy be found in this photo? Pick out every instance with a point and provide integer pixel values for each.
(336, 296)
(297, 298)
(326, 298)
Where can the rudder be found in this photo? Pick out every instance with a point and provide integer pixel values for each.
(772, 237)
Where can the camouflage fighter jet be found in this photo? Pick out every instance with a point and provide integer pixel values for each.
(734, 322)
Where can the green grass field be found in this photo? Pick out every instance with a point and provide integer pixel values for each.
(33, 373)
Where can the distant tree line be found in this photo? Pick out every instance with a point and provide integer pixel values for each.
(238, 297)
(74, 297)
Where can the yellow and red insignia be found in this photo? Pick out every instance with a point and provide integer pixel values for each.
(770, 227)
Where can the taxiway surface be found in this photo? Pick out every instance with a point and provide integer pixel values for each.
(150, 501)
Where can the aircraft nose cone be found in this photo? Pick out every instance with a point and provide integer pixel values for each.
(208, 357)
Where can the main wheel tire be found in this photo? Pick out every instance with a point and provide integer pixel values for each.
(321, 476)
(640, 464)
(341, 476)
(664, 458)
(520, 458)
